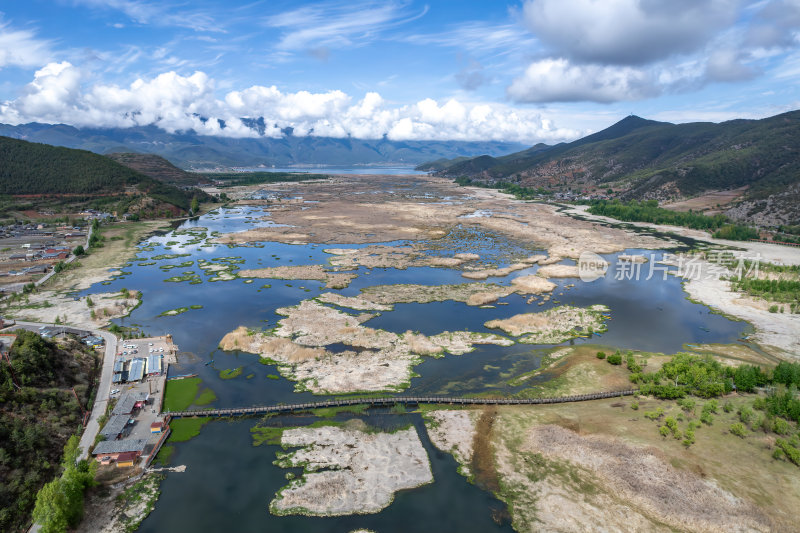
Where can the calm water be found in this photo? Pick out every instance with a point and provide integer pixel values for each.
(393, 171)
(229, 483)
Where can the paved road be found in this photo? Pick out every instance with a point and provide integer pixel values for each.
(101, 396)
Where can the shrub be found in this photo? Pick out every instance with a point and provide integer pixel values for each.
(672, 424)
(687, 404)
(654, 415)
(781, 426)
(792, 453)
(615, 359)
(711, 406)
(635, 406)
(601, 355)
(727, 407)
(773, 308)
(738, 429)
(745, 414)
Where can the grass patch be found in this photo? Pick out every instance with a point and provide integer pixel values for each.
(164, 455)
(231, 373)
(180, 393)
(205, 397)
(184, 429)
(175, 312)
(330, 412)
(266, 435)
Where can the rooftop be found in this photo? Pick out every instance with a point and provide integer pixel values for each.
(114, 426)
(136, 370)
(119, 446)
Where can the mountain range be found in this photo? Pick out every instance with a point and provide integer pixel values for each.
(190, 151)
(645, 159)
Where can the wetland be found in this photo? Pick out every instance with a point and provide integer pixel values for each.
(391, 284)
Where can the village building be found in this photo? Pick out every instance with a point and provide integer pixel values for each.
(112, 450)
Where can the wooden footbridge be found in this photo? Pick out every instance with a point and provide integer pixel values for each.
(390, 401)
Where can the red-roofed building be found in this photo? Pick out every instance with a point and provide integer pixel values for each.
(126, 459)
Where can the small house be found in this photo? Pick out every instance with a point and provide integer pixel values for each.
(126, 459)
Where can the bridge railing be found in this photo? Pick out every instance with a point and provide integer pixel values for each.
(391, 400)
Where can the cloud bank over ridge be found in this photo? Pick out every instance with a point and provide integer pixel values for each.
(59, 94)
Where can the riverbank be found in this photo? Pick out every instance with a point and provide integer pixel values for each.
(607, 463)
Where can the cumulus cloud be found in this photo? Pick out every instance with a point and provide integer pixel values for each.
(60, 93)
(776, 24)
(729, 65)
(552, 80)
(627, 32)
(619, 50)
(21, 48)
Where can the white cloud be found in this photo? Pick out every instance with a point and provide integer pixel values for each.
(477, 37)
(326, 25)
(60, 93)
(21, 48)
(557, 80)
(729, 65)
(627, 32)
(159, 13)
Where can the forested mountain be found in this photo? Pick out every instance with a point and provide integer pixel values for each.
(158, 168)
(644, 159)
(191, 151)
(32, 169)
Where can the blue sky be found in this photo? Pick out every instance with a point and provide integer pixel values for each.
(530, 71)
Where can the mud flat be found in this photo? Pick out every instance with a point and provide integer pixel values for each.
(333, 280)
(48, 307)
(496, 272)
(361, 211)
(453, 431)
(553, 325)
(378, 361)
(383, 297)
(532, 284)
(348, 471)
(399, 257)
(558, 271)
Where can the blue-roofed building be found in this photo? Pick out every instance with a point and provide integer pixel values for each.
(136, 370)
(154, 364)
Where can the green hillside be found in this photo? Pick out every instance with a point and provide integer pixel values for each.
(643, 159)
(158, 168)
(30, 170)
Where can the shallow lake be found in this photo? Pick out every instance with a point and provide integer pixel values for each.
(229, 483)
